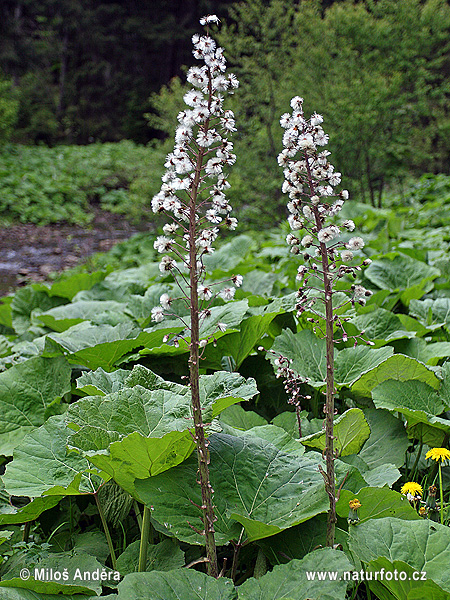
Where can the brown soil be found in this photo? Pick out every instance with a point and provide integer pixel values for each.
(29, 253)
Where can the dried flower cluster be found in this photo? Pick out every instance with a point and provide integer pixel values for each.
(194, 183)
(314, 205)
(310, 180)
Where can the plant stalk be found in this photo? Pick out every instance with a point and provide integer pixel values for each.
(330, 482)
(107, 533)
(441, 493)
(145, 533)
(207, 507)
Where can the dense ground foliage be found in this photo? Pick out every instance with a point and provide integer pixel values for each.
(95, 421)
(52, 185)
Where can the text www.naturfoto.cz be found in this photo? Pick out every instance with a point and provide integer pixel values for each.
(381, 575)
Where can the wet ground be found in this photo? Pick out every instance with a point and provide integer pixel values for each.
(30, 252)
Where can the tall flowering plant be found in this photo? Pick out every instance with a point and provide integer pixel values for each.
(193, 197)
(313, 206)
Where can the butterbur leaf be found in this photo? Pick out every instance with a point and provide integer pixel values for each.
(236, 416)
(27, 397)
(10, 515)
(100, 383)
(397, 367)
(413, 585)
(61, 318)
(376, 503)
(387, 439)
(423, 545)
(308, 355)
(94, 345)
(419, 403)
(399, 272)
(164, 556)
(185, 584)
(256, 484)
(136, 432)
(132, 433)
(43, 465)
(351, 430)
(57, 562)
(298, 579)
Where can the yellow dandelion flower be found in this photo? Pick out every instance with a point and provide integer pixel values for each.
(412, 488)
(354, 504)
(438, 454)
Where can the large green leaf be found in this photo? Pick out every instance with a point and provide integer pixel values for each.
(256, 484)
(429, 354)
(76, 564)
(136, 432)
(381, 326)
(398, 367)
(351, 363)
(432, 312)
(423, 545)
(68, 287)
(230, 254)
(229, 316)
(240, 344)
(236, 416)
(396, 272)
(29, 393)
(61, 318)
(404, 588)
(100, 383)
(351, 430)
(376, 503)
(299, 579)
(182, 584)
(363, 475)
(11, 515)
(42, 465)
(25, 300)
(164, 556)
(308, 355)
(94, 345)
(307, 352)
(412, 395)
(387, 439)
(419, 403)
(289, 422)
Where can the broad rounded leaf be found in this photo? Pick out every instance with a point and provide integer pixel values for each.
(100, 383)
(43, 465)
(376, 503)
(398, 367)
(164, 556)
(423, 544)
(298, 579)
(94, 345)
(27, 397)
(381, 326)
(182, 584)
(351, 430)
(76, 565)
(138, 432)
(401, 589)
(419, 403)
(256, 484)
(61, 318)
(399, 272)
(387, 439)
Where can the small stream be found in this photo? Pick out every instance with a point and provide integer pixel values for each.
(29, 253)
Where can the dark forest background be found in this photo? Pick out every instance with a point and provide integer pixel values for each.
(85, 69)
(82, 72)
